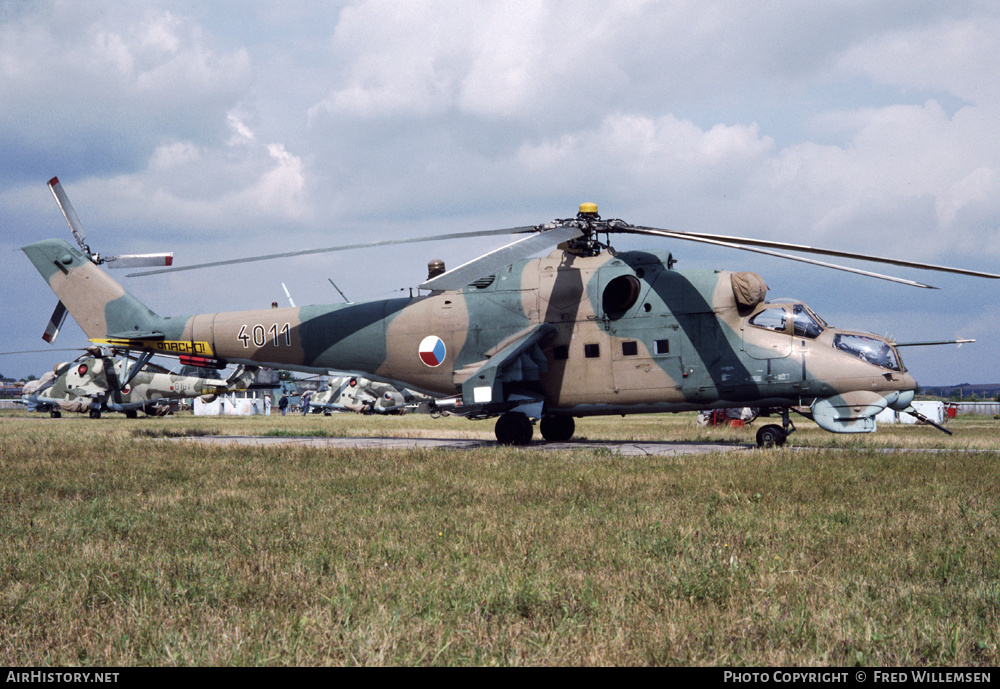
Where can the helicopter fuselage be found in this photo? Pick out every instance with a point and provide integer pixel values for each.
(624, 334)
(564, 335)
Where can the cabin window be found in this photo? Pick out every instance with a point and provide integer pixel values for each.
(560, 352)
(770, 319)
(592, 351)
(661, 347)
(630, 348)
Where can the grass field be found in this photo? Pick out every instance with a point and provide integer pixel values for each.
(123, 545)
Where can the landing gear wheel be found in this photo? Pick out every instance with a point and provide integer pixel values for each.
(557, 429)
(771, 436)
(131, 414)
(95, 413)
(514, 428)
(55, 414)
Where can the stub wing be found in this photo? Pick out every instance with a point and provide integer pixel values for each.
(520, 361)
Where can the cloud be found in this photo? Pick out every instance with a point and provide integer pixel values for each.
(222, 189)
(960, 57)
(482, 59)
(214, 133)
(101, 92)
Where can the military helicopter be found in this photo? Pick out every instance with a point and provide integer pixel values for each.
(586, 330)
(364, 396)
(100, 381)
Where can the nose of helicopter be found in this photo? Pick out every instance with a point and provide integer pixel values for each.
(900, 400)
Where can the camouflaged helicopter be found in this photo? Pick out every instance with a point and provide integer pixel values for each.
(586, 330)
(99, 382)
(364, 396)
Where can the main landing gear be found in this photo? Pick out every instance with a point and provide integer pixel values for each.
(514, 428)
(557, 429)
(773, 435)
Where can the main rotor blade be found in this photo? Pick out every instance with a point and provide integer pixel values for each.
(346, 247)
(490, 263)
(733, 245)
(42, 351)
(67, 210)
(747, 241)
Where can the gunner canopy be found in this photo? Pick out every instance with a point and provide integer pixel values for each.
(869, 349)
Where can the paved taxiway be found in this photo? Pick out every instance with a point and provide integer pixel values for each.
(617, 447)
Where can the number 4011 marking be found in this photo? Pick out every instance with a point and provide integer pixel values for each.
(259, 335)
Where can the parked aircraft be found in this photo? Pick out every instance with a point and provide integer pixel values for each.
(99, 382)
(589, 329)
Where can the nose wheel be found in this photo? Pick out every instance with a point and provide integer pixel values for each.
(773, 435)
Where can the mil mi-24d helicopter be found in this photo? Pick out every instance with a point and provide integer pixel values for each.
(587, 330)
(364, 396)
(99, 381)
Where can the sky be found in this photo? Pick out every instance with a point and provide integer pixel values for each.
(219, 130)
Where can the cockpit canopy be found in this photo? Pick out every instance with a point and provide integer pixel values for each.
(868, 348)
(804, 323)
(796, 319)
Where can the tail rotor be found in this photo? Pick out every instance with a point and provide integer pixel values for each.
(76, 227)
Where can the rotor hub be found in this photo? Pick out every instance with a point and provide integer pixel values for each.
(589, 222)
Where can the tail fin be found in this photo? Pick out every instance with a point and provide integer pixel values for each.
(100, 305)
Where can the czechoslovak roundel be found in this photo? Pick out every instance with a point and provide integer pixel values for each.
(432, 351)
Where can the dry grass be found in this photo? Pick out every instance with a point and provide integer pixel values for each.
(123, 548)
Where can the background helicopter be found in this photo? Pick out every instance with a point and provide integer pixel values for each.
(365, 396)
(587, 330)
(98, 382)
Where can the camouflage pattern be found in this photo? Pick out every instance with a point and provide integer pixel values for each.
(551, 338)
(91, 384)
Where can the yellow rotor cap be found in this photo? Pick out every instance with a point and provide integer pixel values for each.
(588, 208)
